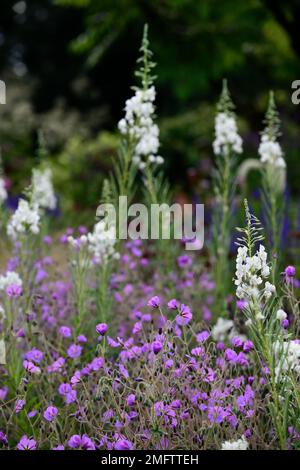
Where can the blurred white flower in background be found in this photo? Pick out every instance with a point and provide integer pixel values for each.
(42, 189)
(25, 219)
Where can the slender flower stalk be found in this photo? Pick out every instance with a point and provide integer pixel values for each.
(263, 318)
(273, 178)
(226, 145)
(140, 134)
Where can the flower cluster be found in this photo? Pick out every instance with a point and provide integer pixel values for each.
(271, 153)
(42, 189)
(25, 219)
(102, 243)
(139, 126)
(269, 149)
(227, 137)
(251, 273)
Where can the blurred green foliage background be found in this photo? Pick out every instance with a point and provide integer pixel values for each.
(68, 66)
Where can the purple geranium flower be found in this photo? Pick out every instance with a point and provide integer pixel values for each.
(31, 367)
(185, 315)
(64, 389)
(14, 290)
(202, 336)
(50, 413)
(26, 444)
(154, 302)
(34, 355)
(173, 304)
(65, 331)
(101, 328)
(123, 444)
(74, 351)
(81, 442)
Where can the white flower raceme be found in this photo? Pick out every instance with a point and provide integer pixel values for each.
(240, 444)
(227, 138)
(287, 354)
(25, 219)
(42, 189)
(3, 192)
(10, 278)
(102, 243)
(251, 274)
(139, 125)
(270, 152)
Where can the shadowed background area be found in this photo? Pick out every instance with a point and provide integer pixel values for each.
(69, 66)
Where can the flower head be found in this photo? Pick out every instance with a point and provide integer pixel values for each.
(50, 413)
(101, 328)
(26, 444)
(74, 351)
(123, 444)
(81, 442)
(26, 219)
(154, 302)
(185, 315)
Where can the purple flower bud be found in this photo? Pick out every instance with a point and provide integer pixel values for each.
(285, 323)
(157, 347)
(101, 328)
(290, 271)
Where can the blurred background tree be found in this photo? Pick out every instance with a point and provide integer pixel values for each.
(68, 65)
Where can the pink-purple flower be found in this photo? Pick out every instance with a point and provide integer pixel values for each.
(101, 328)
(25, 443)
(74, 351)
(184, 316)
(154, 302)
(50, 413)
(81, 442)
